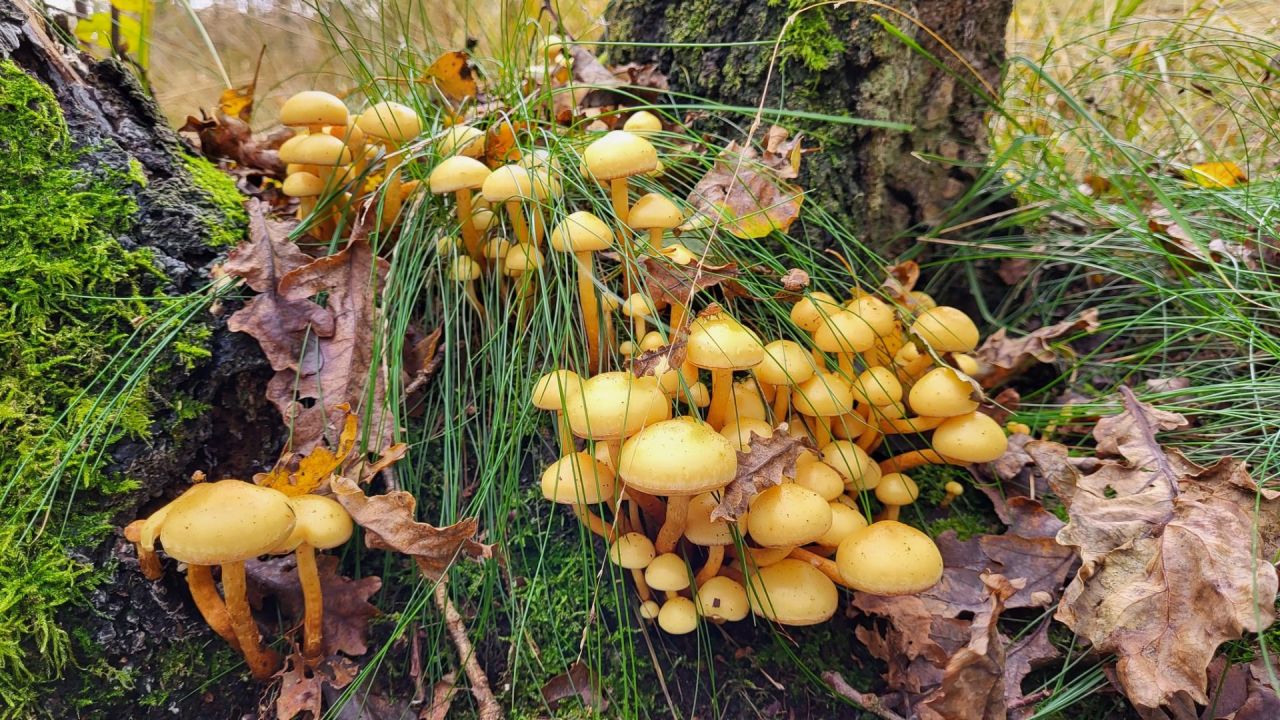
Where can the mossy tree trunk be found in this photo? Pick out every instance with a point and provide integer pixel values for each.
(840, 60)
(101, 206)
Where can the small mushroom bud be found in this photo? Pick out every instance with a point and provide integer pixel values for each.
(894, 491)
(722, 599)
(643, 122)
(953, 490)
(678, 616)
(812, 310)
(649, 610)
(668, 573)
(632, 551)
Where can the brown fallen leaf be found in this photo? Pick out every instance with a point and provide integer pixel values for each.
(347, 610)
(285, 329)
(1032, 652)
(1239, 692)
(900, 280)
(299, 474)
(1168, 572)
(350, 279)
(453, 75)
(746, 192)
(795, 280)
(577, 682)
(1014, 270)
(661, 360)
(389, 524)
(300, 690)
(973, 686)
(589, 71)
(770, 461)
(643, 79)
(673, 283)
(1002, 357)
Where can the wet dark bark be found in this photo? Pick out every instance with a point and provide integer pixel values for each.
(133, 625)
(874, 180)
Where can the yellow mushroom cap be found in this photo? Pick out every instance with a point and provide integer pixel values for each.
(792, 592)
(577, 479)
(652, 340)
(823, 395)
(878, 386)
(844, 332)
(946, 329)
(680, 457)
(889, 558)
(649, 609)
(632, 551)
(464, 269)
(463, 140)
(973, 438)
(483, 219)
(851, 461)
(953, 488)
(697, 395)
(788, 515)
(225, 521)
(721, 343)
(446, 245)
(642, 122)
(897, 489)
(313, 107)
(619, 154)
(878, 314)
(722, 598)
(303, 184)
(497, 248)
(966, 364)
(318, 149)
(812, 310)
(942, 392)
(637, 305)
(553, 389)
(667, 573)
(521, 259)
(458, 173)
(581, 231)
(739, 432)
(747, 403)
(320, 521)
(509, 182)
(654, 210)
(700, 529)
(819, 477)
(615, 405)
(919, 301)
(785, 362)
(678, 616)
(844, 521)
(390, 121)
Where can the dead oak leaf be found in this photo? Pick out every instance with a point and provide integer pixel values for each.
(453, 75)
(389, 524)
(900, 280)
(1168, 573)
(1240, 692)
(672, 283)
(577, 682)
(300, 690)
(347, 610)
(746, 192)
(659, 361)
(770, 461)
(299, 474)
(1003, 357)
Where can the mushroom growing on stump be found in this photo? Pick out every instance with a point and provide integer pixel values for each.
(679, 459)
(321, 524)
(582, 234)
(614, 158)
(889, 558)
(224, 523)
(578, 480)
(721, 344)
(792, 592)
(461, 176)
(654, 213)
(393, 124)
(509, 185)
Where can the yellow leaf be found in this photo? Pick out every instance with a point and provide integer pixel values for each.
(454, 77)
(299, 475)
(237, 102)
(1216, 175)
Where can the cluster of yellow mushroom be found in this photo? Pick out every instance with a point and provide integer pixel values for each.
(333, 153)
(228, 522)
(659, 453)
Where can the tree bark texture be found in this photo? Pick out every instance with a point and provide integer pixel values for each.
(140, 649)
(837, 59)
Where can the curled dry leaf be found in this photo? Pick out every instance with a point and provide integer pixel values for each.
(300, 690)
(1240, 692)
(347, 610)
(746, 192)
(770, 461)
(453, 76)
(298, 474)
(1168, 573)
(1003, 357)
(580, 682)
(795, 280)
(661, 360)
(389, 524)
(672, 283)
(900, 280)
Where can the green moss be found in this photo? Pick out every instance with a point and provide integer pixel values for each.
(809, 39)
(68, 299)
(228, 230)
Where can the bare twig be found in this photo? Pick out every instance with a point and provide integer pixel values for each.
(489, 707)
(866, 701)
(1031, 699)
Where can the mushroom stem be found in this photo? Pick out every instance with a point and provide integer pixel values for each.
(715, 558)
(306, 206)
(262, 661)
(618, 193)
(655, 240)
(868, 437)
(821, 430)
(210, 604)
(781, 403)
(148, 561)
(721, 390)
(518, 224)
(914, 459)
(313, 604)
(638, 327)
(590, 310)
(826, 566)
(899, 426)
(673, 526)
(642, 587)
(678, 312)
(652, 506)
(470, 236)
(566, 435)
(473, 299)
(595, 524)
(633, 514)
(890, 512)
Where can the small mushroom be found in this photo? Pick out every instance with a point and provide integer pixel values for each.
(613, 406)
(650, 609)
(722, 345)
(722, 599)
(889, 558)
(946, 329)
(614, 158)
(701, 530)
(844, 334)
(894, 491)
(461, 176)
(860, 472)
(654, 213)
(637, 307)
(786, 364)
(467, 271)
(552, 392)
(392, 124)
(667, 573)
(971, 438)
(810, 311)
(819, 477)
(643, 122)
(788, 515)
(942, 392)
(314, 110)
(579, 480)
(844, 521)
(792, 592)
(953, 490)
(322, 524)
(582, 234)
(678, 616)
(823, 397)
(461, 140)
(510, 185)
(634, 551)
